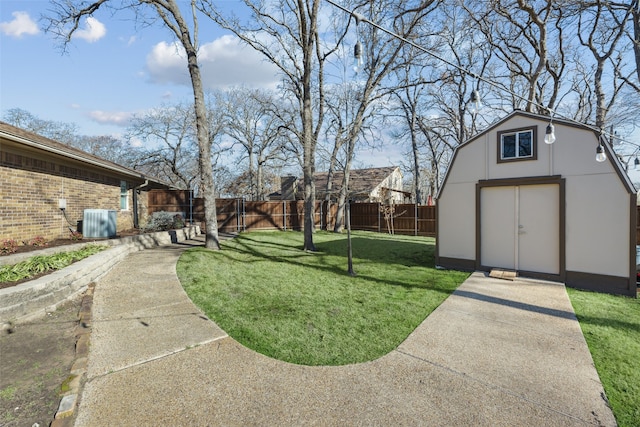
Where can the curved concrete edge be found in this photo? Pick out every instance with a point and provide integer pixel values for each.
(37, 297)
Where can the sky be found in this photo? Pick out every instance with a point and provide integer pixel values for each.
(113, 70)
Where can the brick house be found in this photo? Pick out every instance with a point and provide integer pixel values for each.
(38, 176)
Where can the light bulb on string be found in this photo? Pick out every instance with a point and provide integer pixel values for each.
(550, 135)
(357, 56)
(475, 102)
(357, 48)
(601, 156)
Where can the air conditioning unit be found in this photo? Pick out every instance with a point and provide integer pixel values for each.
(99, 223)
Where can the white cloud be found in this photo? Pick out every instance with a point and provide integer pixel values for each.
(93, 31)
(22, 24)
(118, 118)
(130, 41)
(166, 63)
(136, 142)
(223, 62)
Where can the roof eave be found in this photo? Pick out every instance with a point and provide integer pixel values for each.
(43, 147)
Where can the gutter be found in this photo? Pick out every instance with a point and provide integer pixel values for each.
(112, 167)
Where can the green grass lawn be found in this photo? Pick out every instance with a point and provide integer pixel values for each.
(611, 326)
(303, 307)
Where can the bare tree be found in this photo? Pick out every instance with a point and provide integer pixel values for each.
(170, 152)
(600, 28)
(343, 101)
(635, 35)
(65, 19)
(67, 133)
(432, 104)
(286, 33)
(527, 40)
(252, 123)
(380, 55)
(109, 148)
(104, 146)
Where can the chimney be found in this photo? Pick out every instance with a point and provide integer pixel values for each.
(288, 187)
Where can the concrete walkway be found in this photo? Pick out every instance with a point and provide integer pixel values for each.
(495, 353)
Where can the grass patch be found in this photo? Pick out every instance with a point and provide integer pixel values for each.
(7, 392)
(611, 327)
(40, 264)
(303, 307)
(66, 384)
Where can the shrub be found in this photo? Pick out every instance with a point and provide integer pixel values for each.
(37, 241)
(76, 235)
(8, 246)
(44, 263)
(163, 221)
(177, 221)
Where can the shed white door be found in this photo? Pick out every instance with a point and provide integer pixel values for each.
(520, 228)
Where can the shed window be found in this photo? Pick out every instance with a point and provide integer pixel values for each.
(124, 196)
(518, 144)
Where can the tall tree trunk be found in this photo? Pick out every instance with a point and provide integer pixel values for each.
(202, 130)
(344, 191)
(601, 109)
(204, 147)
(259, 181)
(636, 36)
(308, 27)
(416, 167)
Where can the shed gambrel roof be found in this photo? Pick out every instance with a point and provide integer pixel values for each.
(55, 148)
(611, 155)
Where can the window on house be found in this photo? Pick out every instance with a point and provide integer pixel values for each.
(518, 144)
(124, 196)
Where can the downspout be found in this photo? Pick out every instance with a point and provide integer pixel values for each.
(190, 206)
(136, 220)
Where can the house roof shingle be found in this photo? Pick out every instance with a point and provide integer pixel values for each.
(361, 181)
(39, 142)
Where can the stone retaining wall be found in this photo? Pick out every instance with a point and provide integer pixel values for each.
(39, 296)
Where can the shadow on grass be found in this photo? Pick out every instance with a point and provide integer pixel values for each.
(380, 250)
(618, 325)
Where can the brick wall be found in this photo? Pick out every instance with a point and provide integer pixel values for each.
(31, 185)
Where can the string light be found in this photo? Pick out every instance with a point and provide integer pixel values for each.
(601, 156)
(550, 134)
(357, 48)
(476, 102)
(475, 93)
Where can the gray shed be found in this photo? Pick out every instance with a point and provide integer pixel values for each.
(549, 211)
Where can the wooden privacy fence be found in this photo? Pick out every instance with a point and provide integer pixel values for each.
(240, 215)
(638, 225)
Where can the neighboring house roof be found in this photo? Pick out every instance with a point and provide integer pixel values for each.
(361, 181)
(38, 142)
